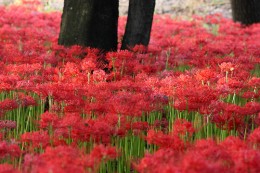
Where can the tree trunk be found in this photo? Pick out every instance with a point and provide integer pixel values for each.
(90, 23)
(246, 11)
(139, 23)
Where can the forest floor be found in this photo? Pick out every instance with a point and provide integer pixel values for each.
(177, 8)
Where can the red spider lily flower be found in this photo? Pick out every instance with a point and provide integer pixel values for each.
(72, 109)
(8, 104)
(246, 161)
(7, 124)
(207, 157)
(99, 130)
(182, 126)
(228, 121)
(25, 101)
(6, 168)
(137, 128)
(233, 144)
(65, 159)
(163, 123)
(24, 69)
(227, 67)
(257, 119)
(9, 149)
(37, 139)
(127, 103)
(254, 137)
(163, 160)
(254, 82)
(205, 75)
(48, 119)
(71, 69)
(193, 97)
(88, 65)
(251, 108)
(139, 49)
(232, 85)
(61, 159)
(121, 61)
(5, 87)
(69, 120)
(99, 75)
(100, 152)
(10, 79)
(164, 141)
(120, 55)
(250, 95)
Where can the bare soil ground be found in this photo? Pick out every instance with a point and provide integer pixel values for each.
(177, 8)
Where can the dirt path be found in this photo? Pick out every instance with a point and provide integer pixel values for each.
(183, 8)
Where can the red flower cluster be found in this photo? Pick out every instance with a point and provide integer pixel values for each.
(189, 82)
(64, 159)
(231, 155)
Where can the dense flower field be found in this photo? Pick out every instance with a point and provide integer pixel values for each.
(188, 103)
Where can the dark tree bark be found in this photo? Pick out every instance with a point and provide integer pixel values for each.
(139, 23)
(90, 23)
(246, 11)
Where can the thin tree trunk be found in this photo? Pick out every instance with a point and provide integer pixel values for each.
(90, 23)
(139, 23)
(246, 11)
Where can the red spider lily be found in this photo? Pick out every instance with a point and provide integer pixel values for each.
(127, 103)
(251, 95)
(8, 104)
(63, 159)
(139, 49)
(142, 81)
(161, 124)
(88, 65)
(233, 144)
(99, 75)
(254, 82)
(257, 119)
(103, 128)
(6, 168)
(101, 152)
(7, 124)
(227, 67)
(205, 75)
(69, 120)
(24, 69)
(137, 127)
(251, 108)
(25, 101)
(9, 150)
(254, 137)
(228, 120)
(164, 141)
(48, 120)
(182, 126)
(233, 84)
(36, 139)
(163, 160)
(121, 62)
(71, 69)
(10, 80)
(246, 161)
(193, 97)
(99, 130)
(207, 157)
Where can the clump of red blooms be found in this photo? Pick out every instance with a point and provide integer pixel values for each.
(67, 159)
(89, 104)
